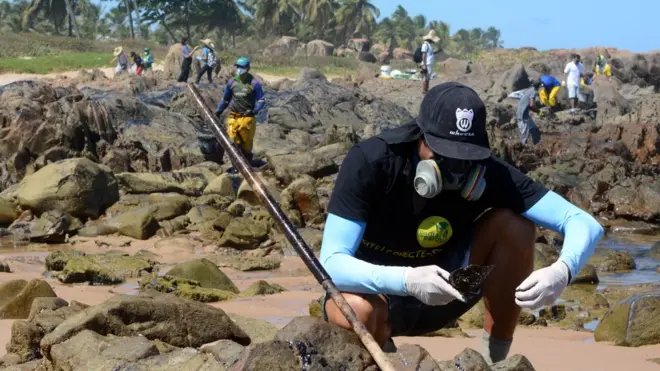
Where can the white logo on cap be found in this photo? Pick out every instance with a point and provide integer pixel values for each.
(464, 119)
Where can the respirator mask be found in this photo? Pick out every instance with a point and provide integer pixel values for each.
(435, 175)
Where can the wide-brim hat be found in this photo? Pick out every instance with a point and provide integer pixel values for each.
(209, 43)
(117, 51)
(432, 36)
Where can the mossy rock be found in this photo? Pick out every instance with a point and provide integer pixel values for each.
(104, 269)
(315, 309)
(97, 230)
(16, 304)
(258, 330)
(474, 318)
(262, 287)
(170, 209)
(202, 294)
(221, 186)
(587, 276)
(454, 332)
(526, 318)
(633, 322)
(222, 221)
(244, 233)
(169, 228)
(147, 255)
(250, 264)
(184, 288)
(206, 273)
(203, 213)
(139, 223)
(612, 261)
(586, 297)
(554, 313)
(57, 260)
(217, 201)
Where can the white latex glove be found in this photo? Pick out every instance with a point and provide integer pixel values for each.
(430, 285)
(543, 286)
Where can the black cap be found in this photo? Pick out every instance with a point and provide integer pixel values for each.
(453, 120)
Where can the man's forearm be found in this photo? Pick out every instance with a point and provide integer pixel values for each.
(580, 230)
(341, 239)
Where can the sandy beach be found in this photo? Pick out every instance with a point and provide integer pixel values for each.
(547, 348)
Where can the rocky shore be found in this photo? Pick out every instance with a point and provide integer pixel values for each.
(108, 199)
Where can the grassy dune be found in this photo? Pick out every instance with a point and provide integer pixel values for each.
(41, 54)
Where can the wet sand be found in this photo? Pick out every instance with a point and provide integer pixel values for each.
(547, 348)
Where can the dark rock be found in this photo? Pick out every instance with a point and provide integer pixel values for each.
(75, 186)
(140, 223)
(409, 357)
(612, 261)
(178, 322)
(514, 363)
(258, 330)
(226, 352)
(45, 304)
(587, 275)
(471, 360)
(206, 273)
(25, 338)
(271, 355)
(318, 340)
(633, 322)
(16, 297)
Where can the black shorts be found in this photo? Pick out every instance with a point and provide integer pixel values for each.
(410, 317)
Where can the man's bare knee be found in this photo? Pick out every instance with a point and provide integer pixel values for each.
(371, 310)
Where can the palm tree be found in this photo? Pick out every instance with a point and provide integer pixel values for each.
(492, 36)
(318, 13)
(55, 10)
(420, 22)
(388, 33)
(280, 15)
(358, 17)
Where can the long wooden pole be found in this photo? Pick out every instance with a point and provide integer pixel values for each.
(292, 235)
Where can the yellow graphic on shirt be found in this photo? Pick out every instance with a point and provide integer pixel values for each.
(434, 231)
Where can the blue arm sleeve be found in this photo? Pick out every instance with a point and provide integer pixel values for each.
(580, 230)
(341, 239)
(226, 98)
(259, 95)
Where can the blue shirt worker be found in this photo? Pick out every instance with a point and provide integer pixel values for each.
(245, 98)
(417, 202)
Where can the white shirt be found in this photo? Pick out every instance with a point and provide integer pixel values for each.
(573, 72)
(430, 56)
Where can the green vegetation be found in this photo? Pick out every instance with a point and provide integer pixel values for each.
(55, 31)
(54, 63)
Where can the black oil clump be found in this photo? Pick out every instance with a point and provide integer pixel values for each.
(470, 279)
(308, 354)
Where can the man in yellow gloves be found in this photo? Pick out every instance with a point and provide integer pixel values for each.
(548, 90)
(246, 96)
(601, 67)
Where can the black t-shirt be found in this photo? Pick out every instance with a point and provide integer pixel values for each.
(375, 185)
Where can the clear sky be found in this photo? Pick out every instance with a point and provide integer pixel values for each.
(624, 24)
